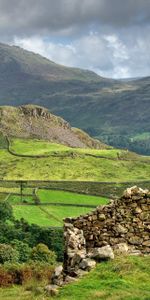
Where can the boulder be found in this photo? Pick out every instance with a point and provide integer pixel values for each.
(103, 253)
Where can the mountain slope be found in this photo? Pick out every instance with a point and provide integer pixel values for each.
(31, 121)
(115, 111)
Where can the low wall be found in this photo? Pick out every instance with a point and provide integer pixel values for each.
(126, 220)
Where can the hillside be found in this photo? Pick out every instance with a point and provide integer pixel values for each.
(125, 278)
(31, 121)
(115, 111)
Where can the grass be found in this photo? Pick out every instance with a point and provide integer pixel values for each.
(34, 215)
(52, 215)
(16, 199)
(67, 211)
(47, 215)
(35, 147)
(79, 167)
(3, 197)
(15, 190)
(125, 278)
(50, 196)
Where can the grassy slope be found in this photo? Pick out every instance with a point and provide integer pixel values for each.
(58, 168)
(47, 215)
(71, 163)
(122, 279)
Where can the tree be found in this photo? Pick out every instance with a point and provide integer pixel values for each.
(6, 212)
(23, 249)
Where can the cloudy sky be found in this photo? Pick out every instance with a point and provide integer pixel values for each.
(110, 37)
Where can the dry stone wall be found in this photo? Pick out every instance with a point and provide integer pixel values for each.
(124, 224)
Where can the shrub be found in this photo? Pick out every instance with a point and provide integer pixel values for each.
(5, 278)
(8, 254)
(42, 253)
(23, 249)
(15, 273)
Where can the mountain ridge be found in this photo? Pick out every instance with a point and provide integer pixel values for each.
(113, 111)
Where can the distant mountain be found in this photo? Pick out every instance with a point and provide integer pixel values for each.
(30, 121)
(115, 111)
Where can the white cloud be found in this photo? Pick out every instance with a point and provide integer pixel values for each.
(109, 55)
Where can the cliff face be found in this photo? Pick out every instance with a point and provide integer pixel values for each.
(30, 121)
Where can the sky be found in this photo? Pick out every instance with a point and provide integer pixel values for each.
(110, 37)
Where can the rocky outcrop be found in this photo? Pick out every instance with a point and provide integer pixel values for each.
(31, 121)
(123, 226)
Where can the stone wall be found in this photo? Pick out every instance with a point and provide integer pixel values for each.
(123, 224)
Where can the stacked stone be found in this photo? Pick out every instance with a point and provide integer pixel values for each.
(123, 222)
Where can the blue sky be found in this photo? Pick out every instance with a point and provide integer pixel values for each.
(110, 37)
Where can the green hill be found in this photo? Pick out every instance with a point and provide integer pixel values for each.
(115, 111)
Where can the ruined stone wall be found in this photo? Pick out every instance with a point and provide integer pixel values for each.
(123, 222)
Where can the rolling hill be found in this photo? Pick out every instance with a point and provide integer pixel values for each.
(115, 111)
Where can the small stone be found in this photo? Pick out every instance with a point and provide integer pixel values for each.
(87, 264)
(81, 273)
(138, 210)
(58, 271)
(135, 240)
(146, 243)
(135, 252)
(121, 229)
(70, 279)
(121, 248)
(101, 217)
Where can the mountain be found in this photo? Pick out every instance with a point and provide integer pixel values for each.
(116, 112)
(30, 121)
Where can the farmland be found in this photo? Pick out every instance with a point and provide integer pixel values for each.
(53, 206)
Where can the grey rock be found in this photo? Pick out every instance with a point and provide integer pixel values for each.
(87, 264)
(121, 248)
(103, 253)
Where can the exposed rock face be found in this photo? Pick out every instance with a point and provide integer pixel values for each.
(122, 226)
(30, 121)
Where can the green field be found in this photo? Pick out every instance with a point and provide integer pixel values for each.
(52, 215)
(47, 216)
(50, 196)
(16, 199)
(64, 163)
(125, 278)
